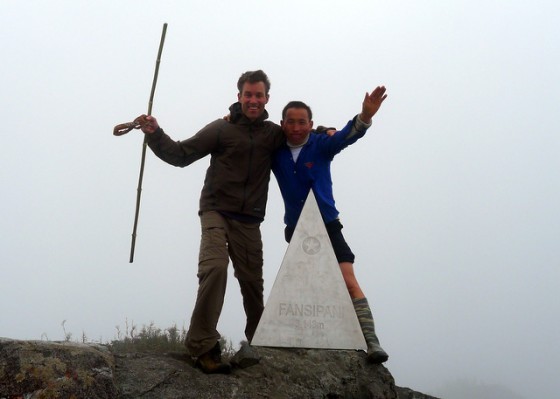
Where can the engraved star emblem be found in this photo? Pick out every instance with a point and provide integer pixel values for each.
(311, 245)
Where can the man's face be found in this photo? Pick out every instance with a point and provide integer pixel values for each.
(253, 98)
(296, 125)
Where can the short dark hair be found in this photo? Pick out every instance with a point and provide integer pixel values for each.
(253, 77)
(297, 104)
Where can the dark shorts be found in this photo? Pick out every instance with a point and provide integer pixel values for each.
(334, 229)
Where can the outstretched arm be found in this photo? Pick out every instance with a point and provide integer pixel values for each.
(371, 104)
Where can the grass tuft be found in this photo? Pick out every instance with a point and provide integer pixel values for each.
(152, 338)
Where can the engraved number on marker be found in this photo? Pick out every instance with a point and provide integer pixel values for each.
(309, 324)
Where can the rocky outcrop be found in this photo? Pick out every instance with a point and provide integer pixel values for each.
(41, 370)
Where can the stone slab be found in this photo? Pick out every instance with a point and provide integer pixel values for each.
(309, 305)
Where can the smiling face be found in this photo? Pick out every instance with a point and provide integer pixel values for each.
(296, 125)
(253, 98)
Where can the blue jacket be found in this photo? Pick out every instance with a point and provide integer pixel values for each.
(312, 170)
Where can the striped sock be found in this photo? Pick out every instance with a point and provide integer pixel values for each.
(365, 318)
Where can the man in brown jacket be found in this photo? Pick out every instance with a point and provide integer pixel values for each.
(232, 206)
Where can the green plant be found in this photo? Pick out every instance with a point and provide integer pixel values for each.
(152, 338)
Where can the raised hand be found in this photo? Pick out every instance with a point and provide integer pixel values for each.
(372, 102)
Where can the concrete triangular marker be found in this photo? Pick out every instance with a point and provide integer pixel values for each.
(309, 305)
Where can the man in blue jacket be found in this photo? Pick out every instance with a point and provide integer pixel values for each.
(303, 164)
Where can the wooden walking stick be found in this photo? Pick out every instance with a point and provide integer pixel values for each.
(126, 127)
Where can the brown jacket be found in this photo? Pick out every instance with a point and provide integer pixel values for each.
(240, 160)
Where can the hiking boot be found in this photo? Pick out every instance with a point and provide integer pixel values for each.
(376, 354)
(211, 362)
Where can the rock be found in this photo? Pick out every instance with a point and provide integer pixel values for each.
(41, 370)
(281, 373)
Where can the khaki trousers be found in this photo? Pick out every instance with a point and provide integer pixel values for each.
(223, 238)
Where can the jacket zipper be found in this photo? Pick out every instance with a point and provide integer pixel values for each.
(249, 168)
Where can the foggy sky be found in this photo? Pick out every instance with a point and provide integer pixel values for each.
(450, 201)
